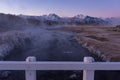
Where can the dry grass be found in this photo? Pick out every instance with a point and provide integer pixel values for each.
(98, 38)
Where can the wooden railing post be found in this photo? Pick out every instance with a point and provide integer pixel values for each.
(88, 74)
(30, 74)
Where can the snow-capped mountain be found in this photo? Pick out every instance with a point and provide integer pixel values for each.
(51, 17)
(94, 20)
(79, 16)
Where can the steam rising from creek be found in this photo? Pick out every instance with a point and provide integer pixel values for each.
(11, 39)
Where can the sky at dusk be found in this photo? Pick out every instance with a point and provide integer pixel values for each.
(96, 8)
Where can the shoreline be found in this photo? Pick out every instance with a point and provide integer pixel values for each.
(92, 48)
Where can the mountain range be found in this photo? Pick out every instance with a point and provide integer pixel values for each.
(53, 19)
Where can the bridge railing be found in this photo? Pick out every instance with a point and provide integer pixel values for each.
(31, 65)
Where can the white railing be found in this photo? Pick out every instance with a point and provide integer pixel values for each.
(31, 65)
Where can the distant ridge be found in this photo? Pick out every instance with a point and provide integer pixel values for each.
(53, 19)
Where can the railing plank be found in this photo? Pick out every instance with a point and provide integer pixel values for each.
(14, 65)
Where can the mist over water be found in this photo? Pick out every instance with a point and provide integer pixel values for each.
(11, 39)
